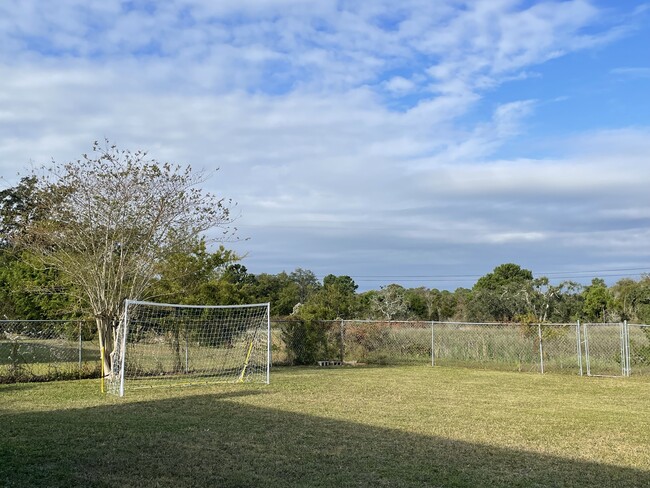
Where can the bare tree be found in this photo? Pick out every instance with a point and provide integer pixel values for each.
(389, 303)
(113, 217)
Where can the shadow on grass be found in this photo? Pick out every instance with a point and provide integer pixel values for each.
(213, 440)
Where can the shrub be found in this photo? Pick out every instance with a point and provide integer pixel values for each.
(309, 341)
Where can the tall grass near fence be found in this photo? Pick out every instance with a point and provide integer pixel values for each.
(520, 347)
(639, 337)
(46, 350)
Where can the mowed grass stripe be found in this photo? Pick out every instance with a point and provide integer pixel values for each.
(384, 426)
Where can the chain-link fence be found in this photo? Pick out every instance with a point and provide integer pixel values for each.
(43, 350)
(514, 347)
(639, 349)
(575, 348)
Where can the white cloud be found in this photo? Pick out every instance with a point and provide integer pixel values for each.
(632, 72)
(508, 237)
(399, 84)
(334, 124)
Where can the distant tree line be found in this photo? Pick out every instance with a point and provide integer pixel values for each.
(35, 288)
(30, 290)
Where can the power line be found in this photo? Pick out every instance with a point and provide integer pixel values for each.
(599, 273)
(612, 270)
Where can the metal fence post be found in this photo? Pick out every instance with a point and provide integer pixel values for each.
(342, 339)
(626, 349)
(433, 346)
(80, 346)
(541, 348)
(187, 352)
(585, 334)
(579, 346)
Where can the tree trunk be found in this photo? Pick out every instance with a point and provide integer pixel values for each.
(176, 348)
(106, 342)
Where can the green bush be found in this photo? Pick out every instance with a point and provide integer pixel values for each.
(308, 341)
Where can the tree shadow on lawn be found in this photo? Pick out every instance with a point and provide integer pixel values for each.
(215, 441)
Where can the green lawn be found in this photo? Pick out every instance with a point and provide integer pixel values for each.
(384, 426)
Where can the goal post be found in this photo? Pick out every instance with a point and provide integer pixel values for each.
(162, 344)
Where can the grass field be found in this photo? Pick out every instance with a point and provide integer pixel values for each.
(411, 426)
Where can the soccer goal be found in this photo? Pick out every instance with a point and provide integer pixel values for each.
(161, 344)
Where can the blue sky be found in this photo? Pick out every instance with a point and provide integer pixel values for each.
(416, 142)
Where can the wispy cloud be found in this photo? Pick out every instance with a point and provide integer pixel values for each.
(630, 72)
(355, 129)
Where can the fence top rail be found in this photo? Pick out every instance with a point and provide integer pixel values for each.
(605, 324)
(384, 321)
(433, 322)
(506, 324)
(368, 321)
(43, 321)
(450, 322)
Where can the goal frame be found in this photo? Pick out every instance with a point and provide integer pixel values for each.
(124, 324)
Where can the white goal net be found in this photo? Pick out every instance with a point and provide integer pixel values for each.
(158, 344)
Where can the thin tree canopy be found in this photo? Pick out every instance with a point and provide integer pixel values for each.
(113, 217)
